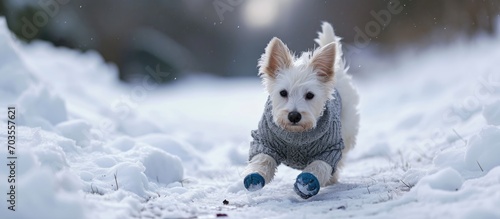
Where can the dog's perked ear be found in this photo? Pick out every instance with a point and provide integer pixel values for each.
(277, 56)
(323, 61)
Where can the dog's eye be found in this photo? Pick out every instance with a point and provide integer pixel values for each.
(283, 93)
(309, 95)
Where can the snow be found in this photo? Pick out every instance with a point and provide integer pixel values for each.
(447, 179)
(89, 146)
(483, 149)
(491, 113)
(78, 130)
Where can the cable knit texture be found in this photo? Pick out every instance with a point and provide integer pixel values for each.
(299, 149)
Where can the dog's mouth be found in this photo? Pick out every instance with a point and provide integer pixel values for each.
(296, 127)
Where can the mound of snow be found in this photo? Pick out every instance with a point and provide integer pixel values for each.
(447, 179)
(159, 166)
(137, 169)
(172, 145)
(43, 182)
(491, 113)
(128, 176)
(54, 195)
(40, 107)
(78, 130)
(122, 143)
(483, 149)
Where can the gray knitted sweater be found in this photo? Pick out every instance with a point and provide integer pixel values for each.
(299, 149)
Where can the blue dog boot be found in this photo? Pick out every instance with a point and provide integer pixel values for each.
(254, 182)
(306, 185)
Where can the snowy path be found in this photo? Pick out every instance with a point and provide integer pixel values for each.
(91, 147)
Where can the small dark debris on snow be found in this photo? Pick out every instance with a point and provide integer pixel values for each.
(341, 207)
(221, 215)
(225, 202)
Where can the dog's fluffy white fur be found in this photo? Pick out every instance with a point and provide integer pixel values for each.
(290, 80)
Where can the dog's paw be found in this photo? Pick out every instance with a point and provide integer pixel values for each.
(306, 185)
(253, 182)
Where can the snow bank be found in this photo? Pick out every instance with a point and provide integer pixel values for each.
(439, 127)
(64, 153)
(16, 77)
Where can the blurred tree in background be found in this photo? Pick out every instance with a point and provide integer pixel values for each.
(226, 37)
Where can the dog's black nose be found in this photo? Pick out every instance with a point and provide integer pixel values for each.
(294, 116)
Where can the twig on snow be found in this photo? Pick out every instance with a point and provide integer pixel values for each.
(480, 167)
(116, 180)
(409, 187)
(460, 136)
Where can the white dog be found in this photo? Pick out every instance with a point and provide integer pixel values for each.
(310, 119)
